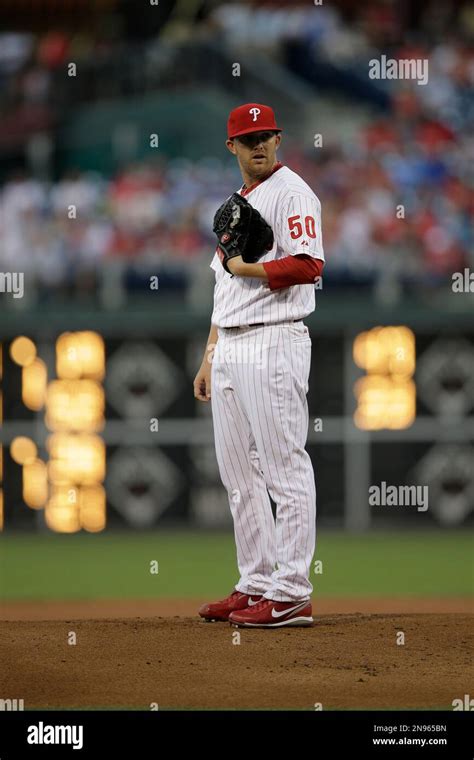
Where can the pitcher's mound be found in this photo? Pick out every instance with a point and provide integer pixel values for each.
(349, 661)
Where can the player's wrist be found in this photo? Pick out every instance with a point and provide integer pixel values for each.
(253, 270)
(236, 265)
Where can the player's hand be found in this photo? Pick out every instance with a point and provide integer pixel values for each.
(234, 264)
(202, 382)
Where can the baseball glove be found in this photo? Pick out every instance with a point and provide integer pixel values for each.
(241, 231)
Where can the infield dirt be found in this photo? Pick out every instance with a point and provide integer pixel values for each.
(346, 660)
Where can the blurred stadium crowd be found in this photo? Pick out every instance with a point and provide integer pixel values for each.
(397, 199)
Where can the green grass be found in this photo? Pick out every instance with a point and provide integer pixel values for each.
(197, 564)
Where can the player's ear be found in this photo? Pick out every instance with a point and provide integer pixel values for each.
(277, 139)
(231, 146)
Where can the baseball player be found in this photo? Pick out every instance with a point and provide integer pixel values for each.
(255, 371)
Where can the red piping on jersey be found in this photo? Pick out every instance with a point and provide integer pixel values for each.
(246, 190)
(300, 269)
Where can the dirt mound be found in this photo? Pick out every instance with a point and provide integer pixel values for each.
(343, 661)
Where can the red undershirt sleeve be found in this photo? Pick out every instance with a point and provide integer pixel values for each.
(300, 269)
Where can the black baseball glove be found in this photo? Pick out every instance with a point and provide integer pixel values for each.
(241, 231)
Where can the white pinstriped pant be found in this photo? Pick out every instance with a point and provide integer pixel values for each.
(260, 414)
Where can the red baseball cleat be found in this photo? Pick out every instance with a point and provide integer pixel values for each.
(269, 614)
(222, 609)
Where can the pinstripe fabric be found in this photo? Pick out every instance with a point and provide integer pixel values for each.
(259, 408)
(260, 414)
(285, 201)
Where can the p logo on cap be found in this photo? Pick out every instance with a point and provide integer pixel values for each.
(251, 117)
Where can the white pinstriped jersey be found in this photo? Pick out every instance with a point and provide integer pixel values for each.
(293, 212)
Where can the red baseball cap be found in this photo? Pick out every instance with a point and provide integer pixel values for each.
(251, 117)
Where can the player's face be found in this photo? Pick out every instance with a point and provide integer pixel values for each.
(256, 152)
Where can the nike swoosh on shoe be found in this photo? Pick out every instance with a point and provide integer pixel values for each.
(280, 613)
(252, 603)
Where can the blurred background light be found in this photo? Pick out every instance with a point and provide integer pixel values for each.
(23, 450)
(23, 351)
